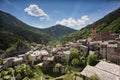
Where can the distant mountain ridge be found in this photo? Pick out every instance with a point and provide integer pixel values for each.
(58, 31)
(7, 19)
(110, 22)
(12, 24)
(14, 28)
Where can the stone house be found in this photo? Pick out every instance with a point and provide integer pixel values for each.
(62, 56)
(8, 62)
(82, 41)
(17, 60)
(31, 58)
(48, 60)
(59, 56)
(59, 68)
(103, 50)
(110, 51)
(12, 61)
(37, 55)
(66, 54)
(24, 56)
(83, 50)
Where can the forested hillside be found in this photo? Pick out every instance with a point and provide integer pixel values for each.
(58, 31)
(13, 30)
(110, 22)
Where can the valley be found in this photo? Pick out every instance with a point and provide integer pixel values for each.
(60, 52)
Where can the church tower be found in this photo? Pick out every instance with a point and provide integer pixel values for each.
(94, 32)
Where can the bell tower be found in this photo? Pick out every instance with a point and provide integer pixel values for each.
(93, 32)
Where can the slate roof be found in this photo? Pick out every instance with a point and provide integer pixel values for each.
(104, 70)
(109, 67)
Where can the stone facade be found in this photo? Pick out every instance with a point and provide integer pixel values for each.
(110, 51)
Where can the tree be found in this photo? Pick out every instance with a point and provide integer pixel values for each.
(82, 61)
(1, 61)
(74, 54)
(26, 78)
(24, 70)
(93, 77)
(92, 59)
(4, 73)
(75, 62)
(11, 71)
(18, 76)
(68, 69)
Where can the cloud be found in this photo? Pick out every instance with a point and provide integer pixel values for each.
(70, 22)
(44, 18)
(34, 10)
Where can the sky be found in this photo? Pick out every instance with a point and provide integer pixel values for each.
(75, 14)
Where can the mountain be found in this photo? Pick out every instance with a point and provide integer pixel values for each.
(8, 20)
(11, 45)
(12, 30)
(58, 31)
(15, 35)
(13, 25)
(110, 22)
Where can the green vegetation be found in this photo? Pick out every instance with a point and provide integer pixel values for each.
(16, 36)
(13, 30)
(10, 43)
(69, 76)
(24, 72)
(92, 59)
(110, 22)
(53, 43)
(7, 39)
(82, 61)
(1, 61)
(13, 25)
(58, 31)
(74, 54)
(75, 62)
(68, 69)
(93, 77)
(26, 34)
(78, 60)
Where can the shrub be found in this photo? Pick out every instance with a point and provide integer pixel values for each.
(74, 54)
(94, 77)
(75, 62)
(92, 59)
